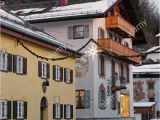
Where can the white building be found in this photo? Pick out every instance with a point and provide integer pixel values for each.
(147, 86)
(102, 21)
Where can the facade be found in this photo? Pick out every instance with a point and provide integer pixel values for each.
(32, 87)
(146, 87)
(104, 83)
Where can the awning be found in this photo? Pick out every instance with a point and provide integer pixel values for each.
(144, 104)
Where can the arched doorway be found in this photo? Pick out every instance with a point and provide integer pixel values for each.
(44, 109)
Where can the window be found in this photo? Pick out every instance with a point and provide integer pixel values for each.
(101, 66)
(102, 97)
(101, 33)
(150, 85)
(3, 109)
(80, 97)
(19, 109)
(78, 32)
(126, 44)
(57, 73)
(68, 111)
(19, 64)
(3, 60)
(57, 111)
(43, 70)
(68, 75)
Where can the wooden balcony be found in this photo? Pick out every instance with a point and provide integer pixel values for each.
(119, 49)
(120, 26)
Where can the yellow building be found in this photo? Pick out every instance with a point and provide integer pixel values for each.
(32, 87)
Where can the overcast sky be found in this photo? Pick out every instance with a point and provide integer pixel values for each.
(157, 2)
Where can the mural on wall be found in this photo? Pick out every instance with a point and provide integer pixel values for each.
(139, 93)
(82, 66)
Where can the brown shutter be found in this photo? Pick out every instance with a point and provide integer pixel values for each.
(61, 74)
(14, 109)
(71, 75)
(25, 66)
(48, 70)
(64, 74)
(54, 111)
(9, 66)
(54, 72)
(61, 111)
(9, 109)
(39, 68)
(72, 111)
(64, 111)
(25, 110)
(14, 63)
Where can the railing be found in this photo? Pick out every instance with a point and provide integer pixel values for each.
(119, 22)
(115, 47)
(118, 81)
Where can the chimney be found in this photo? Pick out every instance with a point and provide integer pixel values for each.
(63, 2)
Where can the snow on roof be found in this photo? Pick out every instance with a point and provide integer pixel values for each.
(143, 104)
(158, 35)
(12, 22)
(152, 68)
(154, 48)
(70, 10)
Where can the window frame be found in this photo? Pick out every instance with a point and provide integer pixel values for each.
(68, 75)
(3, 60)
(68, 111)
(19, 65)
(58, 111)
(44, 69)
(78, 32)
(58, 73)
(79, 96)
(4, 108)
(20, 111)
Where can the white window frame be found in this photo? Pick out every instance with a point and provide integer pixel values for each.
(58, 110)
(3, 109)
(44, 70)
(19, 67)
(68, 76)
(20, 111)
(58, 73)
(68, 111)
(3, 60)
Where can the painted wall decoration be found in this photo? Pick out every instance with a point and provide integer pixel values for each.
(82, 66)
(139, 93)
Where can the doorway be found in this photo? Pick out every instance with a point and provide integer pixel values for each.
(44, 109)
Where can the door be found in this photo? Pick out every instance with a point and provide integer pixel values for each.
(44, 109)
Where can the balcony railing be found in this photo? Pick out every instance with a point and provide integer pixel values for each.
(115, 47)
(120, 26)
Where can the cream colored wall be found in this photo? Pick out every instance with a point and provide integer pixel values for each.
(28, 87)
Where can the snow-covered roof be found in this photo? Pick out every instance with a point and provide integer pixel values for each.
(154, 48)
(89, 8)
(158, 35)
(17, 24)
(151, 68)
(143, 104)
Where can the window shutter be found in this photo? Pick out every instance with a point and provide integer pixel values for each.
(86, 31)
(14, 109)
(70, 32)
(15, 64)
(118, 107)
(65, 74)
(87, 99)
(61, 111)
(113, 102)
(8, 109)
(9, 67)
(54, 111)
(39, 68)
(25, 66)
(25, 110)
(54, 72)
(61, 73)
(48, 70)
(99, 65)
(71, 111)
(64, 111)
(71, 76)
